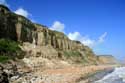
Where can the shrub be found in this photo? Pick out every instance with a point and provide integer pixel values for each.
(76, 56)
(4, 59)
(9, 49)
(8, 46)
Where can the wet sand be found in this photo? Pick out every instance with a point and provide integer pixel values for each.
(97, 75)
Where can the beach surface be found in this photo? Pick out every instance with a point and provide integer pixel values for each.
(77, 74)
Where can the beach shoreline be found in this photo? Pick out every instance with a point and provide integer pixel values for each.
(95, 76)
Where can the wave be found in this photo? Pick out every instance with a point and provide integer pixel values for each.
(117, 76)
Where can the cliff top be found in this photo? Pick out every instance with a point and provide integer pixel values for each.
(4, 7)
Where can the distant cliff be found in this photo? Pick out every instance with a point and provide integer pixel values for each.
(107, 59)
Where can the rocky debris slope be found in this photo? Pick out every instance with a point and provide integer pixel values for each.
(3, 76)
(7, 71)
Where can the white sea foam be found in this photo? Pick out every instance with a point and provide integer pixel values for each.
(117, 76)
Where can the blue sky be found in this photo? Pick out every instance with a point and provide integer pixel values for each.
(99, 24)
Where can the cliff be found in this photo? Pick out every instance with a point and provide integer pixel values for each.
(39, 41)
(107, 59)
(27, 49)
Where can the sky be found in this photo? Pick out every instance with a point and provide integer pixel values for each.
(99, 24)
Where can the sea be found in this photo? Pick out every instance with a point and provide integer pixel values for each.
(117, 76)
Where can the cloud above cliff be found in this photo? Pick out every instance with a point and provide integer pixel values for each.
(58, 26)
(23, 12)
(3, 2)
(83, 39)
(87, 40)
(102, 37)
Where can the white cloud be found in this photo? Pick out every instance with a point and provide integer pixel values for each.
(86, 40)
(3, 2)
(102, 37)
(19, 11)
(83, 39)
(22, 12)
(74, 36)
(58, 26)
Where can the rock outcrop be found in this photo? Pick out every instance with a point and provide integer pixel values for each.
(19, 28)
(15, 27)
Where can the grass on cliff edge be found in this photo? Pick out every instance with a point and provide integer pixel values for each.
(71, 54)
(9, 49)
(76, 56)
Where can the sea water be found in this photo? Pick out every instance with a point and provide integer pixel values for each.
(117, 76)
